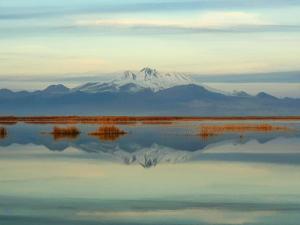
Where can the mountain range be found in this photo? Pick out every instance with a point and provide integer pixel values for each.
(144, 92)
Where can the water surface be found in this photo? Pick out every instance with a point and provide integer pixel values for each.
(156, 174)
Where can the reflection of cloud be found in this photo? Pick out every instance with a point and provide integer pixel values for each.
(30, 170)
(212, 216)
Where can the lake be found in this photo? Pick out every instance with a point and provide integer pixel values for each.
(156, 173)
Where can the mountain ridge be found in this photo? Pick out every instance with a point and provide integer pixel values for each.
(146, 92)
(145, 78)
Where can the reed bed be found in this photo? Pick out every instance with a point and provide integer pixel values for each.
(123, 119)
(108, 133)
(212, 130)
(65, 132)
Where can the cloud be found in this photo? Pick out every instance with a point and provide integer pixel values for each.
(271, 77)
(114, 27)
(214, 22)
(229, 19)
(41, 10)
(207, 20)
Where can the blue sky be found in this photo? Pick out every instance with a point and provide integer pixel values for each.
(41, 38)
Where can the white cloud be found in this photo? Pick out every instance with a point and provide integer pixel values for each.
(229, 19)
(128, 22)
(206, 20)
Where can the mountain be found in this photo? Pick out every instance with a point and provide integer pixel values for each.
(265, 96)
(241, 94)
(56, 89)
(132, 82)
(145, 92)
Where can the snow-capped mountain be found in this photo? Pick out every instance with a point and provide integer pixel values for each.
(146, 78)
(146, 92)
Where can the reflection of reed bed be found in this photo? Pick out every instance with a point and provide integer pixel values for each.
(157, 122)
(108, 133)
(51, 122)
(212, 130)
(206, 136)
(3, 132)
(8, 122)
(118, 122)
(65, 132)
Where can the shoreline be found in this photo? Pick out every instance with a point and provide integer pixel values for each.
(101, 119)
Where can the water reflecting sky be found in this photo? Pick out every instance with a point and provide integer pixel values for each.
(156, 174)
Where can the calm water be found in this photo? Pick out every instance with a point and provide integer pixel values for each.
(155, 174)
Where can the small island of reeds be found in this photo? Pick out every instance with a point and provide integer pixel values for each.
(108, 133)
(207, 131)
(65, 132)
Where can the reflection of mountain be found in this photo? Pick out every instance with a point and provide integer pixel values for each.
(150, 157)
(147, 146)
(3, 132)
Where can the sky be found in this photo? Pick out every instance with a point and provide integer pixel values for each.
(67, 37)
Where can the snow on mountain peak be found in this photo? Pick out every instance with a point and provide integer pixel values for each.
(146, 78)
(154, 80)
(149, 73)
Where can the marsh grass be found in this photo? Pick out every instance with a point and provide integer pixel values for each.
(208, 131)
(65, 132)
(128, 119)
(108, 133)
